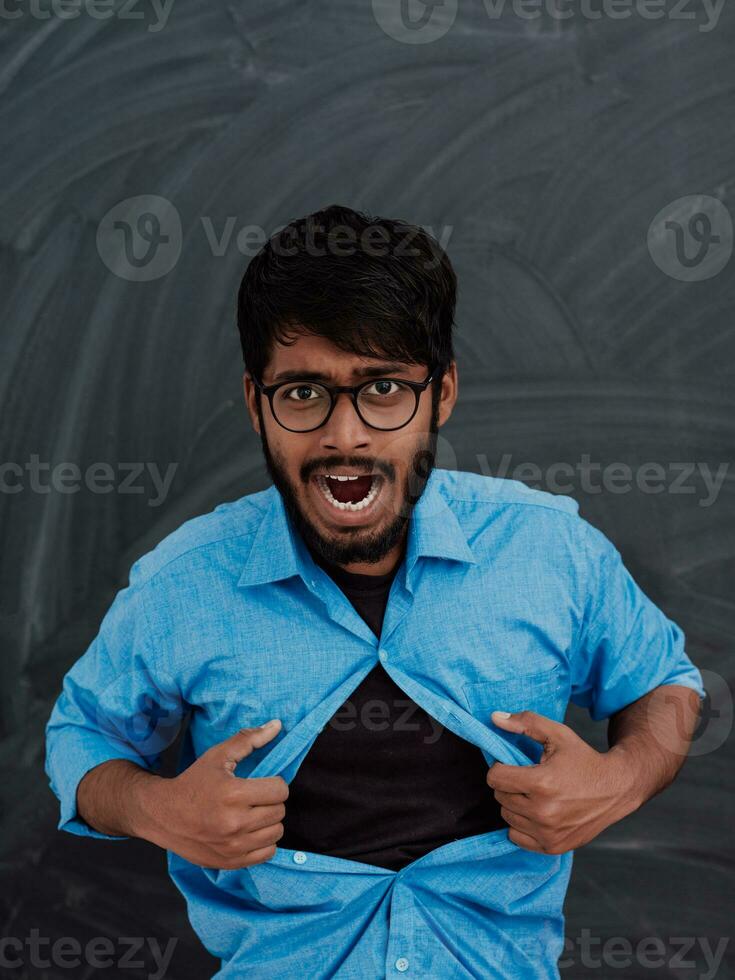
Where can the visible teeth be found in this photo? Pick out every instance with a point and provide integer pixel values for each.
(345, 505)
(341, 478)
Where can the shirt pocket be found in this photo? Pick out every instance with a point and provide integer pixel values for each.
(546, 692)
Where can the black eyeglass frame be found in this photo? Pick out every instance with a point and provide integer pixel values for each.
(353, 390)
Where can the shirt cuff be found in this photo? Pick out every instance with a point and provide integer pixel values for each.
(690, 678)
(65, 767)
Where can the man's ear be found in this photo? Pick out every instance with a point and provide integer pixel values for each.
(250, 392)
(449, 392)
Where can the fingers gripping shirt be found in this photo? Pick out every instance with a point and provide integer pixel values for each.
(506, 599)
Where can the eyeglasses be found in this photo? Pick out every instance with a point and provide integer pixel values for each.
(302, 406)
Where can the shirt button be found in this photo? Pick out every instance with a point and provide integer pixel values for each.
(299, 857)
(401, 964)
(383, 654)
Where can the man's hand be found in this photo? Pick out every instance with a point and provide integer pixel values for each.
(569, 797)
(212, 817)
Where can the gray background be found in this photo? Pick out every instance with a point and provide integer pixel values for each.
(544, 150)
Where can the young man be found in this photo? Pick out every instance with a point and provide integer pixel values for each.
(393, 820)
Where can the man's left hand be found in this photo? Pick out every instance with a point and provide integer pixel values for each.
(569, 797)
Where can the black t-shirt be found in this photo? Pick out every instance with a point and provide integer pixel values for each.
(384, 782)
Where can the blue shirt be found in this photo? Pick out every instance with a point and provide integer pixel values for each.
(507, 599)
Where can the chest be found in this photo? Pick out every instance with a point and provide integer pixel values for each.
(468, 644)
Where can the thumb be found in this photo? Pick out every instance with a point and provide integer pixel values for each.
(536, 726)
(242, 743)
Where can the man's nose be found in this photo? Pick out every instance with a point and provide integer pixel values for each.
(345, 430)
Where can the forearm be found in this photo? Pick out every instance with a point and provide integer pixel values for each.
(119, 798)
(651, 738)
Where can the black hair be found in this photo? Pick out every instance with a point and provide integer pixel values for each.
(374, 287)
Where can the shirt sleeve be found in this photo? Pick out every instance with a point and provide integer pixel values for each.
(628, 646)
(115, 703)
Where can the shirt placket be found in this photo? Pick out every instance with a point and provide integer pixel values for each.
(401, 955)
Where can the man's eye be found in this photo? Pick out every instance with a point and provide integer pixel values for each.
(303, 393)
(383, 387)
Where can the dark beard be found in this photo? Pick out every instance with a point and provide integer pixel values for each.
(372, 548)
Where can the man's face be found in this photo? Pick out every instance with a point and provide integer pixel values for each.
(400, 460)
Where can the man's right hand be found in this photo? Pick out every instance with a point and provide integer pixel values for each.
(212, 817)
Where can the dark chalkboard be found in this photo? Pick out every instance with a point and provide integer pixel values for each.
(578, 171)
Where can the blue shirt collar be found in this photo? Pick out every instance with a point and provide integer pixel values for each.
(278, 551)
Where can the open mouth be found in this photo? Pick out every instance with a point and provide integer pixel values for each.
(349, 493)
